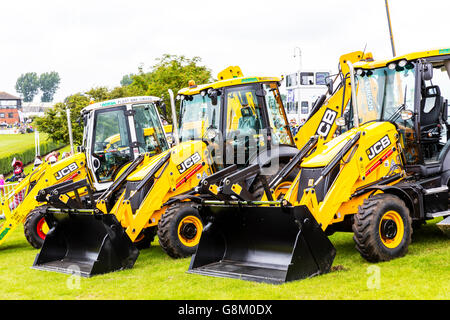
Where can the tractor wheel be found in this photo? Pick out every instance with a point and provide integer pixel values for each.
(257, 188)
(179, 230)
(145, 238)
(35, 227)
(382, 228)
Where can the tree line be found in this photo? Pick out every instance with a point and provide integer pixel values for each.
(29, 84)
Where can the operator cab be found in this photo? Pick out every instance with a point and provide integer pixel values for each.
(237, 117)
(117, 131)
(413, 94)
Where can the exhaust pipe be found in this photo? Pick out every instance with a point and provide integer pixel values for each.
(174, 117)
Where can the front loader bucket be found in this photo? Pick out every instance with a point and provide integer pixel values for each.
(262, 244)
(85, 244)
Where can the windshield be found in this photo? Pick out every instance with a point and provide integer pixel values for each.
(197, 114)
(383, 92)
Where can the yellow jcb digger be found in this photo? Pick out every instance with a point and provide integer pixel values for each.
(224, 126)
(386, 175)
(115, 133)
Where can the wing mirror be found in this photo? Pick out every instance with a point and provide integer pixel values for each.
(213, 94)
(406, 114)
(340, 122)
(211, 133)
(163, 110)
(427, 71)
(329, 84)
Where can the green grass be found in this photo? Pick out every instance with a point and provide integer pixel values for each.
(16, 143)
(424, 273)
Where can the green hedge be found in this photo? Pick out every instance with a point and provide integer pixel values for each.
(27, 156)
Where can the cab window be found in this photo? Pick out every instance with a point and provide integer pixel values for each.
(243, 124)
(149, 132)
(276, 115)
(111, 143)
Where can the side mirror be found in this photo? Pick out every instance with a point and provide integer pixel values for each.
(211, 133)
(340, 122)
(329, 84)
(163, 110)
(406, 114)
(427, 71)
(213, 94)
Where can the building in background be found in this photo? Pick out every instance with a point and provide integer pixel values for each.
(10, 109)
(302, 90)
(35, 109)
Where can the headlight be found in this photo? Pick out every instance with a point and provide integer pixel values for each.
(392, 65)
(402, 63)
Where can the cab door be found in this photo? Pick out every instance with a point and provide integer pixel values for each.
(110, 145)
(243, 123)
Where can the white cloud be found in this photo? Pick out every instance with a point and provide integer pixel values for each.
(94, 43)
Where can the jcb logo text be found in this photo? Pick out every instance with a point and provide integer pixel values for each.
(66, 170)
(378, 146)
(326, 123)
(189, 162)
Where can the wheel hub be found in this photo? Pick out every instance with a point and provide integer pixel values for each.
(389, 229)
(188, 231)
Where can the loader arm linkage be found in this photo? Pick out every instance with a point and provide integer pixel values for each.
(17, 204)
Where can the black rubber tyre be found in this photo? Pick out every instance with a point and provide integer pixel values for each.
(33, 227)
(382, 228)
(179, 230)
(257, 189)
(145, 239)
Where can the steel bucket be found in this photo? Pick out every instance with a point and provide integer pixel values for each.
(85, 244)
(262, 244)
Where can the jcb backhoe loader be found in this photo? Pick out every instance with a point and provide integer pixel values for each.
(115, 133)
(224, 126)
(377, 180)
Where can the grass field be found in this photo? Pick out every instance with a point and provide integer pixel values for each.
(12, 143)
(424, 273)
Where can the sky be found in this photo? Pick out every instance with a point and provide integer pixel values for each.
(94, 43)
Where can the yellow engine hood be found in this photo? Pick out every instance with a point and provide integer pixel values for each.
(179, 154)
(327, 151)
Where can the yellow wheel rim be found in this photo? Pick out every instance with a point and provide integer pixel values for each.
(189, 231)
(391, 229)
(281, 189)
